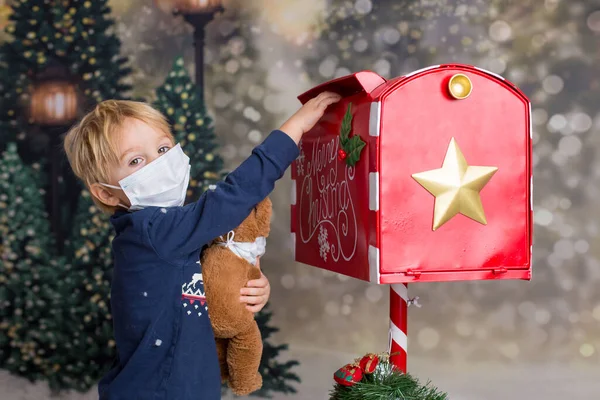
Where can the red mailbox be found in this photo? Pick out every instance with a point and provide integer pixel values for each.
(425, 177)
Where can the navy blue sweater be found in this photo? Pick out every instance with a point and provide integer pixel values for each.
(165, 344)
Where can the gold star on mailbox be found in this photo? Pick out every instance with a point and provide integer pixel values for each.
(456, 187)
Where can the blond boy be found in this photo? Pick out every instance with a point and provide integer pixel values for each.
(126, 156)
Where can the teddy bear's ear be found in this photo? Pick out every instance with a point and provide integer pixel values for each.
(263, 216)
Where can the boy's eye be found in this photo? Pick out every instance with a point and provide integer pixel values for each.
(135, 161)
(163, 149)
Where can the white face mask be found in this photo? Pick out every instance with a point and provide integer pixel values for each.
(162, 183)
(249, 251)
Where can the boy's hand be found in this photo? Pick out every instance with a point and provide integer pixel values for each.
(256, 293)
(308, 115)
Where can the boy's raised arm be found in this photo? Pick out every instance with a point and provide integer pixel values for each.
(185, 230)
(182, 231)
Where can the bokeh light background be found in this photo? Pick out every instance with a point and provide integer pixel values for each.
(478, 340)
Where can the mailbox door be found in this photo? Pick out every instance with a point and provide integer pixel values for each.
(491, 128)
(333, 225)
(331, 221)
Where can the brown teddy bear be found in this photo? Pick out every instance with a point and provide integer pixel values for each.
(227, 265)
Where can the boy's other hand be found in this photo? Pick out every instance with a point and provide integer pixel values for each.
(256, 293)
(308, 115)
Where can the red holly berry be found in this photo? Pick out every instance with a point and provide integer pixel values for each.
(369, 363)
(342, 155)
(348, 375)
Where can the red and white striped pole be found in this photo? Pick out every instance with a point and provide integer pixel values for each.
(398, 335)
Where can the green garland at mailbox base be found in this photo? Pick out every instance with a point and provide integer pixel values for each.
(373, 377)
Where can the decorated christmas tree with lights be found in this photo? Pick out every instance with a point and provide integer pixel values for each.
(31, 274)
(179, 99)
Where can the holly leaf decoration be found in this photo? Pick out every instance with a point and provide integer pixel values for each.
(346, 126)
(353, 149)
(351, 146)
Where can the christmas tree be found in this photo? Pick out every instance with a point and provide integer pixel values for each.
(77, 35)
(31, 276)
(179, 99)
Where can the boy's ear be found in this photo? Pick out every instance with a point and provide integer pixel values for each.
(104, 195)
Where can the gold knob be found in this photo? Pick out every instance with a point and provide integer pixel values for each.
(460, 86)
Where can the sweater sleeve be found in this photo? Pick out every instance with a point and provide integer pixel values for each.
(180, 231)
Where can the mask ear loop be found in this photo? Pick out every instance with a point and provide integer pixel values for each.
(117, 188)
(230, 236)
(110, 186)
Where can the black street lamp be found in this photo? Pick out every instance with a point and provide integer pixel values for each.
(53, 106)
(198, 13)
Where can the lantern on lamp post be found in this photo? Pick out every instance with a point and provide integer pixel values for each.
(53, 106)
(197, 13)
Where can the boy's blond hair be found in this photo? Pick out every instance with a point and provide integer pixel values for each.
(90, 144)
